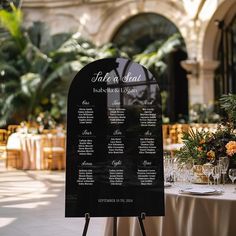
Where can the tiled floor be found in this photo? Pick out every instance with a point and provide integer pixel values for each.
(32, 204)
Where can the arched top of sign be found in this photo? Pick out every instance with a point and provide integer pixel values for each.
(114, 141)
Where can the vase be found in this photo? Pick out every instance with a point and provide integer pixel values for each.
(199, 177)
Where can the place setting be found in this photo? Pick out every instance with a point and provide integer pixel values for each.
(206, 179)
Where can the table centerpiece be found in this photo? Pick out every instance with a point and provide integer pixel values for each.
(203, 147)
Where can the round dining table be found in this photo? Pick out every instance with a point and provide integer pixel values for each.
(31, 147)
(185, 215)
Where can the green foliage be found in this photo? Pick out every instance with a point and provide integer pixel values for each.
(153, 57)
(36, 68)
(228, 104)
(110, 50)
(202, 146)
(194, 143)
(12, 21)
(203, 113)
(36, 77)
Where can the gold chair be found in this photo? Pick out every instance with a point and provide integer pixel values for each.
(53, 151)
(173, 134)
(49, 131)
(3, 141)
(13, 158)
(165, 133)
(12, 129)
(180, 129)
(13, 152)
(3, 136)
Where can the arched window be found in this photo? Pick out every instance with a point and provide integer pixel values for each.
(225, 79)
(135, 92)
(143, 30)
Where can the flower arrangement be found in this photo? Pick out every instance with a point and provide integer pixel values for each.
(203, 147)
(231, 148)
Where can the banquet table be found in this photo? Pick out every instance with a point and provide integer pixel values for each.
(186, 215)
(31, 147)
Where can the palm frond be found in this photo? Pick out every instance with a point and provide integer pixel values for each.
(9, 69)
(59, 72)
(153, 56)
(12, 22)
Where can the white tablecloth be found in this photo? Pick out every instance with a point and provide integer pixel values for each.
(173, 146)
(186, 215)
(31, 147)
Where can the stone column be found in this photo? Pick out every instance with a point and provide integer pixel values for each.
(207, 74)
(200, 80)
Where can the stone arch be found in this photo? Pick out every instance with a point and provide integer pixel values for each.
(177, 89)
(143, 29)
(123, 13)
(225, 11)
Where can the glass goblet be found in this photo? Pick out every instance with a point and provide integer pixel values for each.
(167, 165)
(174, 168)
(181, 177)
(167, 169)
(224, 164)
(207, 170)
(216, 174)
(189, 170)
(232, 176)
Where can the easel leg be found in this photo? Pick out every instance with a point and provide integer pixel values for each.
(140, 219)
(87, 219)
(114, 226)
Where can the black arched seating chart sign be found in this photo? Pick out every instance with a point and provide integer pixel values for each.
(114, 163)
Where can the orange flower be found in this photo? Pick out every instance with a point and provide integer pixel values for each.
(199, 149)
(211, 154)
(202, 141)
(231, 148)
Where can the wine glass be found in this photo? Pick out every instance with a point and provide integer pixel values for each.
(181, 176)
(216, 174)
(189, 170)
(166, 169)
(167, 165)
(224, 163)
(174, 168)
(232, 176)
(207, 170)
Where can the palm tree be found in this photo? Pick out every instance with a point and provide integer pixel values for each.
(228, 104)
(36, 68)
(153, 57)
